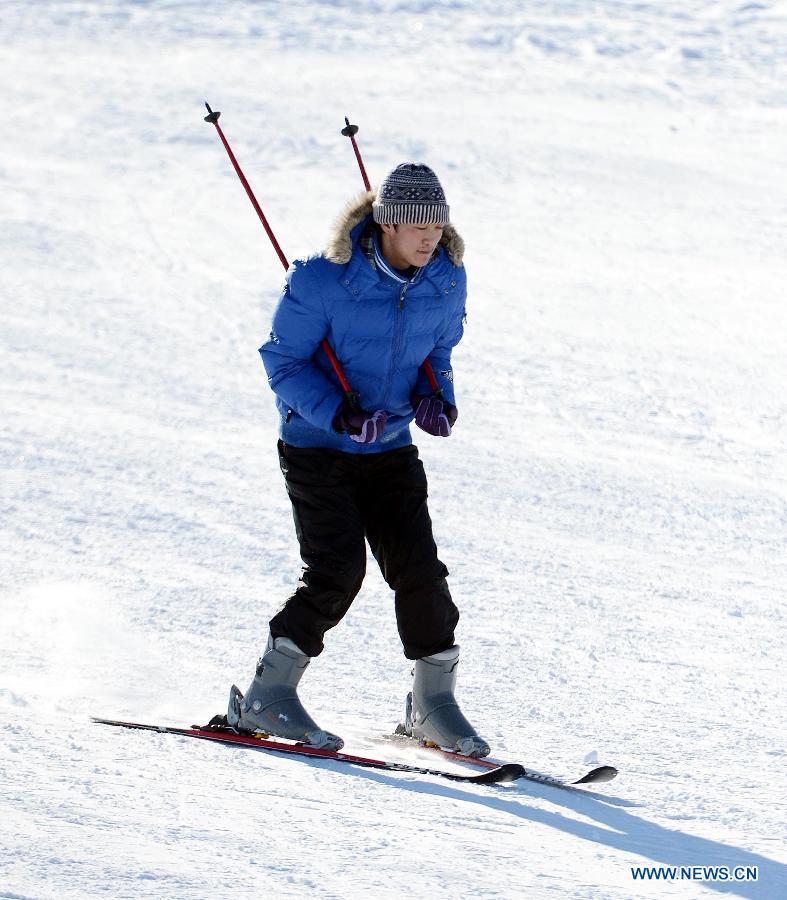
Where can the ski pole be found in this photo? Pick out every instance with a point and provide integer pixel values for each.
(213, 119)
(350, 131)
(352, 396)
(436, 389)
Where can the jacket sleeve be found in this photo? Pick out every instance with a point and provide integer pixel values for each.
(440, 357)
(300, 323)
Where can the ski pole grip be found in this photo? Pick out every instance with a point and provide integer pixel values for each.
(353, 400)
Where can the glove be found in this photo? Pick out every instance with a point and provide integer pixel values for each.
(435, 416)
(362, 426)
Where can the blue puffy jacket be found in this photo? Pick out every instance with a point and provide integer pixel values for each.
(380, 330)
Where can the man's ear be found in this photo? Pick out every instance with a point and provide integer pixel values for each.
(388, 229)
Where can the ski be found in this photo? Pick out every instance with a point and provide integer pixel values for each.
(495, 772)
(498, 774)
(598, 775)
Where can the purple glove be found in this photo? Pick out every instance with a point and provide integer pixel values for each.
(363, 427)
(435, 416)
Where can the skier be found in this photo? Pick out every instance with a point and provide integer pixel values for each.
(388, 293)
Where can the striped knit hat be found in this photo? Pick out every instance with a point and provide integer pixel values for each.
(412, 195)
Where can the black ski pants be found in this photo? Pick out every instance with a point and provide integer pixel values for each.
(340, 499)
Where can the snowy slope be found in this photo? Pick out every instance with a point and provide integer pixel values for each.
(612, 505)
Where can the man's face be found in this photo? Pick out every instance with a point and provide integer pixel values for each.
(410, 245)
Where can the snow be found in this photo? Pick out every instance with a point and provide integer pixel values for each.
(612, 505)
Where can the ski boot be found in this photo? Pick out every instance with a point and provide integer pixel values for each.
(432, 714)
(271, 704)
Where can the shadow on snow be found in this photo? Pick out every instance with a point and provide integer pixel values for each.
(612, 827)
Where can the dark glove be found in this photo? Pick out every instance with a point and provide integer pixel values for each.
(435, 415)
(362, 426)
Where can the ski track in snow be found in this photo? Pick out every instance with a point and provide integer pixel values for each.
(612, 505)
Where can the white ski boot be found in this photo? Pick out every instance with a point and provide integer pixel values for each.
(433, 715)
(271, 704)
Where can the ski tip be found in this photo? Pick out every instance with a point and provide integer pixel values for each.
(599, 775)
(500, 774)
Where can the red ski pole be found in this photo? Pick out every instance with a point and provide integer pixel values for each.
(427, 367)
(213, 118)
(350, 131)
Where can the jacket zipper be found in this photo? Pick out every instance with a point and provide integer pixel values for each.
(396, 341)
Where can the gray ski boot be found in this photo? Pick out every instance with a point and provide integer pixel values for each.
(433, 715)
(272, 705)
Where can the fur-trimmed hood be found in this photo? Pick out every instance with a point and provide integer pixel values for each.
(340, 247)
